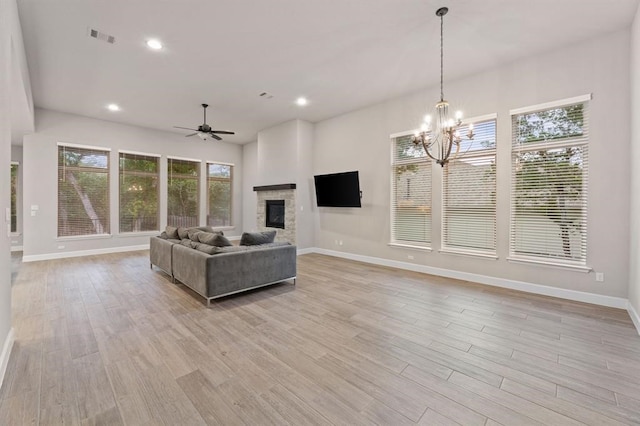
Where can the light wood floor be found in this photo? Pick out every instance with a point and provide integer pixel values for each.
(106, 340)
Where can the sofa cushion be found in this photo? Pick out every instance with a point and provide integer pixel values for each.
(206, 248)
(214, 239)
(188, 243)
(163, 235)
(172, 232)
(257, 238)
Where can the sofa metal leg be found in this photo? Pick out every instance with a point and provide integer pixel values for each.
(294, 281)
(208, 302)
(150, 265)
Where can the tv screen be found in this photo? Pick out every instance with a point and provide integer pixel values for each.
(338, 190)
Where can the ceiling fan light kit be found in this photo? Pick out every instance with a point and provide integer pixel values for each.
(204, 131)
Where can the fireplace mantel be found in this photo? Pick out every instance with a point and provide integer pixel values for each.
(275, 187)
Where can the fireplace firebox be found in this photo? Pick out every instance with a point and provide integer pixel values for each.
(275, 214)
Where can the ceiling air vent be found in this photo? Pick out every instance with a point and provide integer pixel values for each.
(266, 95)
(101, 36)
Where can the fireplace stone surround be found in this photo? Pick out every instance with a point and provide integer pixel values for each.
(286, 193)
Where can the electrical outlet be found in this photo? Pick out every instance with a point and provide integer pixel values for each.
(600, 277)
(60, 247)
(410, 257)
(336, 242)
(340, 243)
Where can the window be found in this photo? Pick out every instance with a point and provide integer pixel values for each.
(83, 191)
(549, 182)
(469, 193)
(411, 194)
(219, 180)
(183, 192)
(139, 192)
(14, 197)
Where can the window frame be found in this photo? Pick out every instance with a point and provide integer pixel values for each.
(107, 170)
(198, 168)
(581, 141)
(148, 174)
(447, 247)
(209, 179)
(14, 189)
(422, 160)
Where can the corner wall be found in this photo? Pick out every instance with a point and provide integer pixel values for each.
(360, 141)
(15, 113)
(634, 158)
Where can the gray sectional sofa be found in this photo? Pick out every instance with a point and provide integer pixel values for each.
(207, 263)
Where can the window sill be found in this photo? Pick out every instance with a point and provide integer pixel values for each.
(84, 237)
(223, 228)
(483, 255)
(550, 264)
(410, 247)
(138, 234)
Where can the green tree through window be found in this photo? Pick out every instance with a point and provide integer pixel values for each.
(183, 192)
(83, 191)
(550, 168)
(219, 191)
(139, 191)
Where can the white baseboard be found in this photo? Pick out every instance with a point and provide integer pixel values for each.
(4, 356)
(307, 251)
(16, 248)
(634, 316)
(579, 296)
(63, 255)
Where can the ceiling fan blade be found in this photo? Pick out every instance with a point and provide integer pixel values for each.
(223, 132)
(216, 137)
(190, 134)
(185, 128)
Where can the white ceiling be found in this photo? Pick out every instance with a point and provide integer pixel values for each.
(341, 54)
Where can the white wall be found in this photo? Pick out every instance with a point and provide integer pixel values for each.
(634, 159)
(249, 180)
(40, 176)
(16, 156)
(283, 154)
(305, 191)
(360, 141)
(277, 154)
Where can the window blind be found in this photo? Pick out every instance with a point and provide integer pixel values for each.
(469, 193)
(139, 192)
(183, 192)
(411, 194)
(83, 191)
(219, 194)
(549, 185)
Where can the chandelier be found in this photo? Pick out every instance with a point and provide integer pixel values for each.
(441, 138)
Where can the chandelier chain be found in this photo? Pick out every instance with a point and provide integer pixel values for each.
(441, 58)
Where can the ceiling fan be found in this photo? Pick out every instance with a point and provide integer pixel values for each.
(204, 131)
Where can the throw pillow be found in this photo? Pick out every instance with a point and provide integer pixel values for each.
(209, 229)
(214, 239)
(163, 235)
(193, 234)
(257, 238)
(183, 233)
(172, 232)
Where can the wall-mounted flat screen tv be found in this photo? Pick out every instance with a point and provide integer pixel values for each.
(338, 190)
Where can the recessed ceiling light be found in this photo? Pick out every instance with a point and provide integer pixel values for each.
(301, 101)
(113, 107)
(154, 44)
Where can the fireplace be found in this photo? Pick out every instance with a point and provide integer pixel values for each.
(274, 213)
